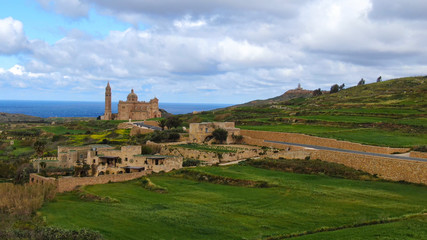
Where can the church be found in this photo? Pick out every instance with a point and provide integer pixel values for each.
(131, 109)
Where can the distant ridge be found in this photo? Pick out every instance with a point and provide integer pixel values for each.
(16, 117)
(298, 92)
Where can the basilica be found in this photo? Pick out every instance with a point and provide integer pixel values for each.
(131, 109)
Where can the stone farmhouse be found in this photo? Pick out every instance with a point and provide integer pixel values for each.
(202, 132)
(132, 109)
(104, 159)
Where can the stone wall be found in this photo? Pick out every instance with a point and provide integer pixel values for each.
(325, 142)
(198, 132)
(152, 123)
(50, 162)
(387, 168)
(125, 125)
(66, 184)
(213, 157)
(299, 154)
(37, 179)
(415, 154)
(139, 130)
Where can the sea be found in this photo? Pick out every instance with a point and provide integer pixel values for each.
(47, 109)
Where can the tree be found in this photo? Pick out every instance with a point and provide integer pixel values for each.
(162, 123)
(43, 164)
(361, 82)
(317, 92)
(334, 88)
(23, 173)
(341, 87)
(39, 147)
(220, 134)
(173, 122)
(379, 79)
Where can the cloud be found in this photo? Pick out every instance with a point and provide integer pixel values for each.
(226, 51)
(187, 22)
(172, 9)
(399, 9)
(12, 37)
(344, 31)
(70, 8)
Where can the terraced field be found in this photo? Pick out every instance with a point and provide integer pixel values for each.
(389, 113)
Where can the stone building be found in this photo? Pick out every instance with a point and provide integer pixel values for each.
(202, 132)
(105, 159)
(131, 108)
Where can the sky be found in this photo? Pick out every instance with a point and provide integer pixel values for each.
(210, 51)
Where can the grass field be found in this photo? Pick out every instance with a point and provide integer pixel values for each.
(297, 203)
(373, 136)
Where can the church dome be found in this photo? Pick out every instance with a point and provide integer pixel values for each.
(132, 97)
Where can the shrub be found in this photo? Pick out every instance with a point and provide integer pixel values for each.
(220, 134)
(146, 150)
(174, 136)
(7, 170)
(334, 88)
(22, 174)
(420, 148)
(147, 184)
(50, 233)
(163, 136)
(317, 92)
(24, 199)
(237, 138)
(191, 162)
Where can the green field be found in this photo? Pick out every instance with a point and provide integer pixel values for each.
(374, 136)
(295, 204)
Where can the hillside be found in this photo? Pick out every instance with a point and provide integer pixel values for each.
(15, 117)
(388, 113)
(288, 95)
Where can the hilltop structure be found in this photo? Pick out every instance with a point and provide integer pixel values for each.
(132, 109)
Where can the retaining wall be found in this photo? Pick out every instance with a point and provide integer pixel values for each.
(211, 157)
(260, 142)
(387, 168)
(37, 179)
(310, 140)
(415, 154)
(70, 183)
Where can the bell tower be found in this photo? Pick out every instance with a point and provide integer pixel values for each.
(107, 114)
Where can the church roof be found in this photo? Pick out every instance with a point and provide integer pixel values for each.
(132, 96)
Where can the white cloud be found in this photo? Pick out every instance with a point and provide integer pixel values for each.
(187, 22)
(226, 50)
(17, 70)
(12, 37)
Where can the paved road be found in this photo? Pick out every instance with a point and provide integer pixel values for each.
(349, 151)
(147, 126)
